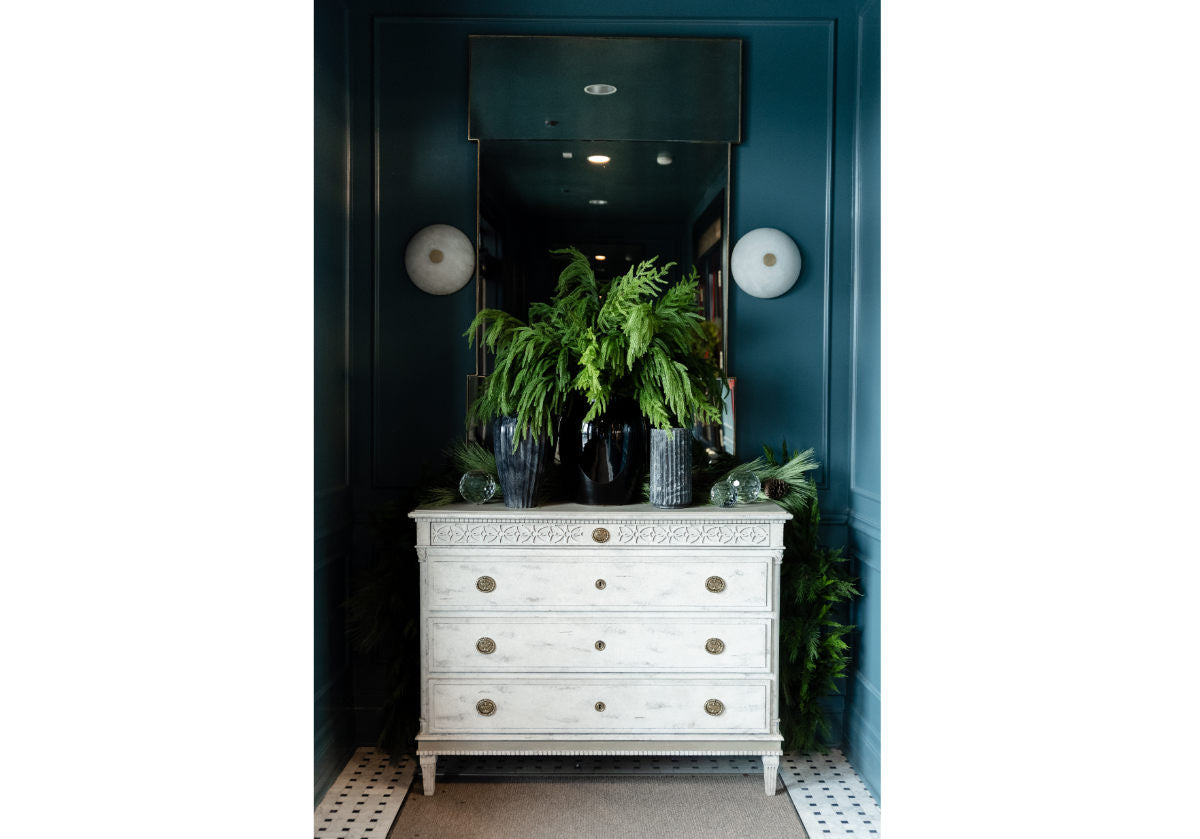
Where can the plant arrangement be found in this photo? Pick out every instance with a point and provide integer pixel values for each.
(815, 592)
(635, 336)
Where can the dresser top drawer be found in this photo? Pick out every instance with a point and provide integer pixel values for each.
(634, 525)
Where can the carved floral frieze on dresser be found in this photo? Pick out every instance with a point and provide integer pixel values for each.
(572, 630)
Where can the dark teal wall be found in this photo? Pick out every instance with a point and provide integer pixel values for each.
(332, 726)
(864, 690)
(413, 166)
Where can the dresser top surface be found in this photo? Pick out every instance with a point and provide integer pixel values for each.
(759, 511)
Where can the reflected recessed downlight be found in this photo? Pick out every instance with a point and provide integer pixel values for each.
(600, 257)
(600, 89)
(598, 158)
(597, 201)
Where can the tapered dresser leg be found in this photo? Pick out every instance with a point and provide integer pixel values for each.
(428, 766)
(770, 770)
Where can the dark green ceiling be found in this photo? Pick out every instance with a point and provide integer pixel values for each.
(532, 88)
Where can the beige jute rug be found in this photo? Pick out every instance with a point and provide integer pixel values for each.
(601, 807)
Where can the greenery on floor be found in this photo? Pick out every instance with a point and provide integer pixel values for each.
(815, 590)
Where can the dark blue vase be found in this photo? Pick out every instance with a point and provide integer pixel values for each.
(520, 471)
(604, 458)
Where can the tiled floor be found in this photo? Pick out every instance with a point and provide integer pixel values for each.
(829, 796)
(364, 800)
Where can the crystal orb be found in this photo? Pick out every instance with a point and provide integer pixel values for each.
(745, 485)
(723, 494)
(477, 487)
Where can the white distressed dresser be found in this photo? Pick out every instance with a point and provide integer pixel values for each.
(580, 630)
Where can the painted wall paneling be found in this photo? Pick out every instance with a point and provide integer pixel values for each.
(333, 736)
(864, 698)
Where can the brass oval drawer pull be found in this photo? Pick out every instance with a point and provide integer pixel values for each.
(600, 646)
(600, 534)
(714, 707)
(485, 584)
(714, 584)
(487, 646)
(600, 706)
(485, 707)
(600, 584)
(715, 646)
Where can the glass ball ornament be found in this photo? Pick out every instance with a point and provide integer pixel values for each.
(723, 494)
(477, 487)
(745, 485)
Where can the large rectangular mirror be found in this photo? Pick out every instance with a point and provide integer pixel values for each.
(661, 186)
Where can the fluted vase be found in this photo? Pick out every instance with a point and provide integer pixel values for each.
(670, 467)
(519, 471)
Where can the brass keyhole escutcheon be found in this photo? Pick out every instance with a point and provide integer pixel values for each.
(485, 584)
(715, 646)
(600, 645)
(485, 707)
(714, 584)
(714, 707)
(600, 706)
(600, 584)
(600, 534)
(487, 646)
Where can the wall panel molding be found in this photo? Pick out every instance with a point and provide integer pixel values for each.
(332, 511)
(866, 526)
(867, 685)
(636, 26)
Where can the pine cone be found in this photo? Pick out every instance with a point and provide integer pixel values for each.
(776, 488)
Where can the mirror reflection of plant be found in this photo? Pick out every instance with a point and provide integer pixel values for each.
(635, 336)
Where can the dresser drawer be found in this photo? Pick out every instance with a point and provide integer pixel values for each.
(508, 644)
(598, 707)
(502, 582)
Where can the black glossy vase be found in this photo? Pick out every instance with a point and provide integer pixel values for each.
(604, 460)
(520, 471)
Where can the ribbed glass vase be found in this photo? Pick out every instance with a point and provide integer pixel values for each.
(520, 471)
(670, 467)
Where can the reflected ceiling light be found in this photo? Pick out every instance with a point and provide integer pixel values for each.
(567, 155)
(598, 158)
(597, 200)
(664, 159)
(600, 257)
(600, 89)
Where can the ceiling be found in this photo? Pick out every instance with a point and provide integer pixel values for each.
(532, 88)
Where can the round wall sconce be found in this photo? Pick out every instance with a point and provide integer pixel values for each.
(439, 259)
(765, 262)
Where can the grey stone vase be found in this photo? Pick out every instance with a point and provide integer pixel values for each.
(670, 467)
(520, 471)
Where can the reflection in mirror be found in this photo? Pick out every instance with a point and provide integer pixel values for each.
(534, 198)
(666, 198)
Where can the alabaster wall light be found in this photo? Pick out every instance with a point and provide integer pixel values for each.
(439, 259)
(765, 262)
